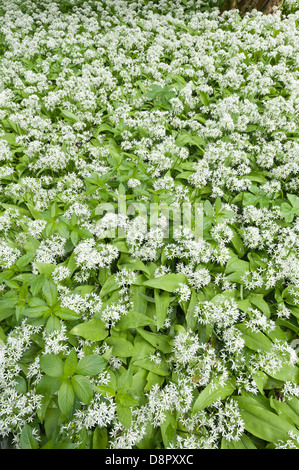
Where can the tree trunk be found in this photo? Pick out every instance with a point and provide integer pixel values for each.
(244, 6)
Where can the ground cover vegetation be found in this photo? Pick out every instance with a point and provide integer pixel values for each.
(117, 332)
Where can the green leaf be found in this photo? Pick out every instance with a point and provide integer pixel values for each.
(93, 330)
(285, 410)
(45, 268)
(121, 347)
(70, 364)
(265, 424)
(74, 237)
(124, 415)
(140, 302)
(158, 340)
(243, 443)
(50, 292)
(66, 397)
(204, 97)
(258, 301)
(66, 314)
(125, 400)
(168, 429)
(6, 313)
(168, 282)
(132, 264)
(69, 116)
(37, 284)
(3, 336)
(187, 139)
(36, 312)
(48, 385)
(213, 392)
(51, 422)
(236, 269)
(51, 365)
(24, 260)
(83, 388)
(53, 324)
(286, 373)
(260, 379)
(290, 295)
(162, 303)
(133, 320)
(256, 341)
(238, 244)
(100, 438)
(160, 369)
(27, 440)
(109, 286)
(41, 411)
(91, 364)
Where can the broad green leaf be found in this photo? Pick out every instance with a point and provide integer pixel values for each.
(51, 422)
(109, 286)
(132, 264)
(24, 260)
(243, 443)
(265, 424)
(258, 301)
(83, 388)
(285, 410)
(126, 400)
(160, 369)
(140, 303)
(162, 302)
(139, 382)
(50, 292)
(153, 379)
(66, 397)
(100, 438)
(290, 295)
(204, 97)
(51, 365)
(41, 411)
(187, 139)
(69, 116)
(260, 379)
(124, 415)
(36, 312)
(94, 330)
(168, 429)
(158, 340)
(238, 244)
(37, 284)
(3, 336)
(53, 324)
(286, 373)
(48, 385)
(256, 341)
(121, 347)
(6, 313)
(213, 392)
(91, 364)
(168, 282)
(45, 268)
(27, 439)
(70, 364)
(235, 270)
(133, 320)
(67, 314)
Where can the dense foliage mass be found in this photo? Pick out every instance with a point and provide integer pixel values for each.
(115, 333)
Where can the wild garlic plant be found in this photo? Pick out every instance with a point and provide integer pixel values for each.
(149, 225)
